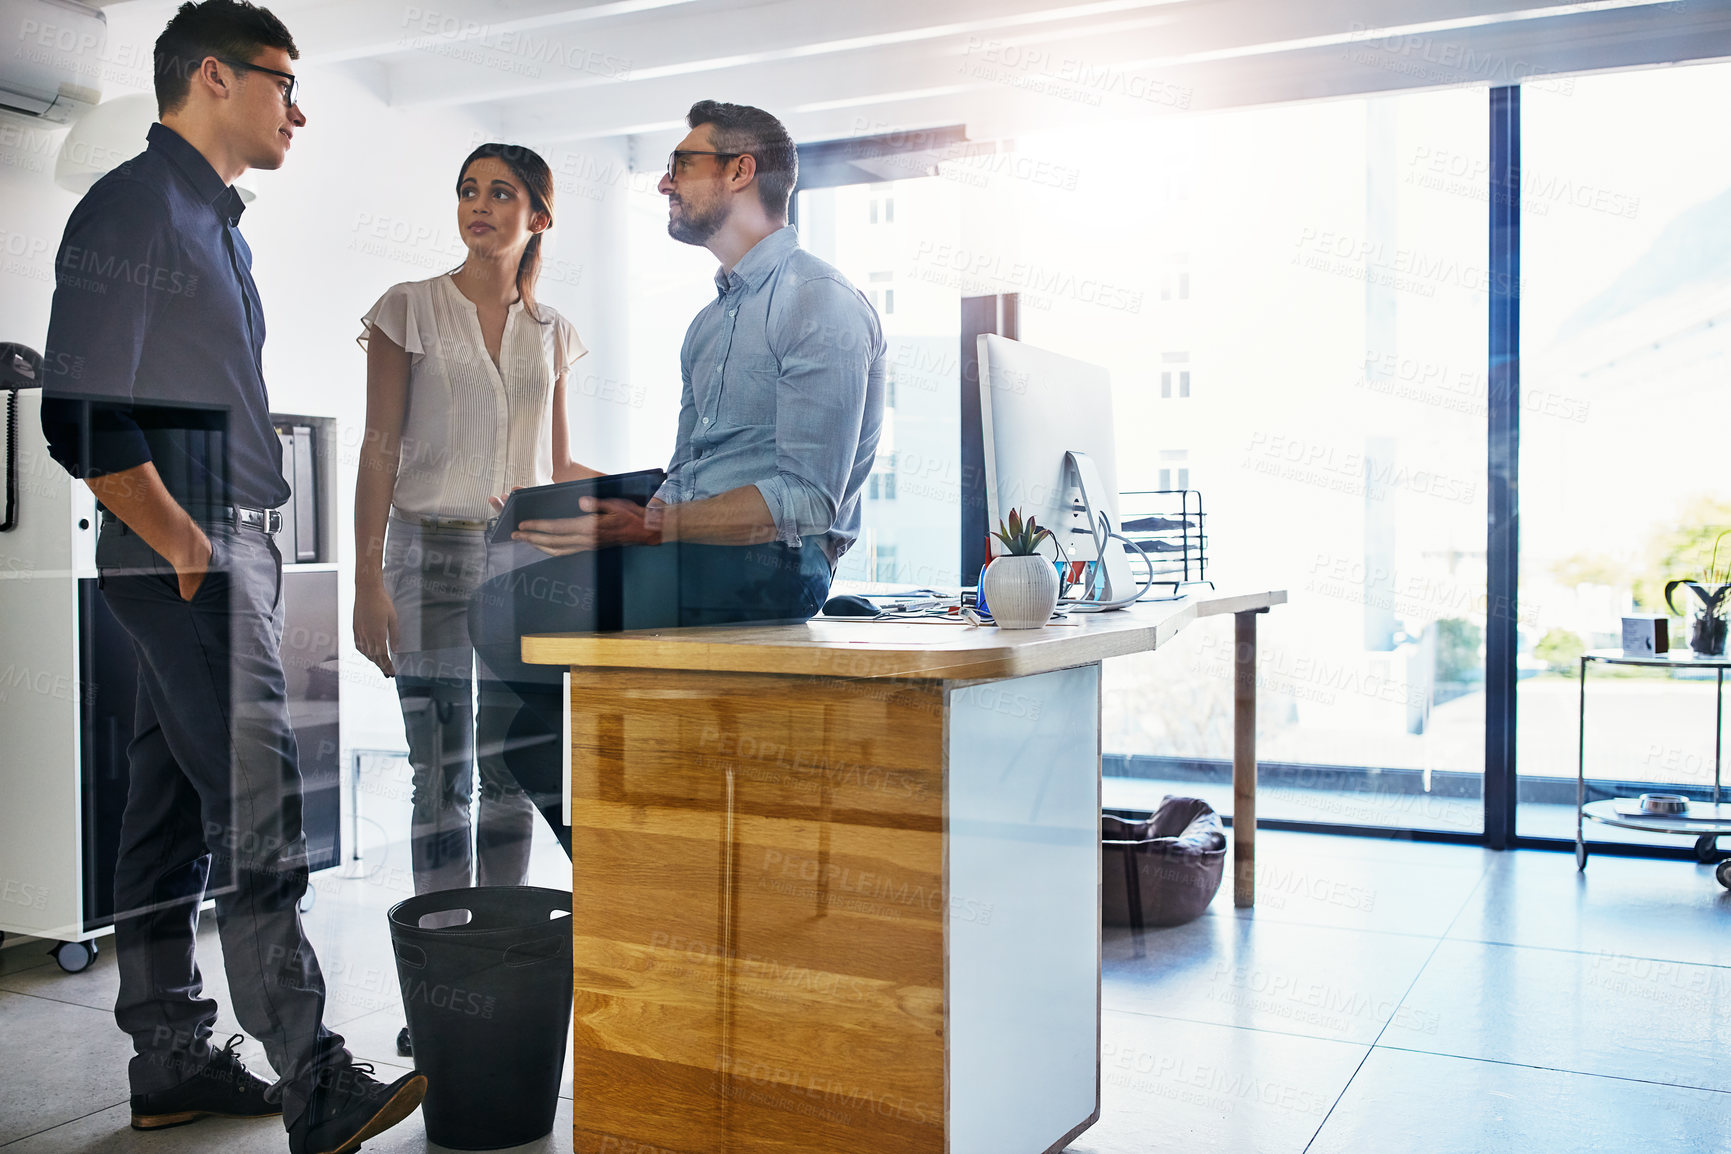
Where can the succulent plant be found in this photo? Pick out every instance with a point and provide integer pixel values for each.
(1021, 538)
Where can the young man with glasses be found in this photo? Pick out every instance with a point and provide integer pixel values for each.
(778, 426)
(156, 398)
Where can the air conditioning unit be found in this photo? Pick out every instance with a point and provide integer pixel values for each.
(50, 58)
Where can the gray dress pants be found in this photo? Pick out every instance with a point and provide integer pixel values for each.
(431, 573)
(213, 807)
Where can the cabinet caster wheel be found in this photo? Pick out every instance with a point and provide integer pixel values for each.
(1580, 857)
(307, 899)
(74, 957)
(1707, 848)
(1723, 873)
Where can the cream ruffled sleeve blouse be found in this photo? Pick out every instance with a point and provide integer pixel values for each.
(473, 430)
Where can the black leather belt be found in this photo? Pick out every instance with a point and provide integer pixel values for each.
(264, 520)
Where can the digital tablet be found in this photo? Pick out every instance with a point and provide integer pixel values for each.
(544, 502)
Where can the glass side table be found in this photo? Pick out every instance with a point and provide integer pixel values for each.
(1705, 822)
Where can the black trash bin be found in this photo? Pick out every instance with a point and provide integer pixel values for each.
(489, 1009)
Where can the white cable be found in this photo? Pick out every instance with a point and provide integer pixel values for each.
(1102, 606)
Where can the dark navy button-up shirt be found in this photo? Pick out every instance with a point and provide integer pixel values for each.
(156, 337)
(783, 389)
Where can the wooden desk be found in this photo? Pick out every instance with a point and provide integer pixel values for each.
(836, 885)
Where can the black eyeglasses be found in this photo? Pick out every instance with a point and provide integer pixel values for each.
(675, 158)
(291, 95)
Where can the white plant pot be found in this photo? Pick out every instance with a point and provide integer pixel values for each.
(1021, 592)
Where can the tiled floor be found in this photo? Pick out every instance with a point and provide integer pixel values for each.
(1393, 996)
(63, 1061)
(1383, 996)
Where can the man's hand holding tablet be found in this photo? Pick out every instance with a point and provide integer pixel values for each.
(606, 521)
(575, 516)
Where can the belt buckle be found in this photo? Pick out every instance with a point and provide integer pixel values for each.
(273, 521)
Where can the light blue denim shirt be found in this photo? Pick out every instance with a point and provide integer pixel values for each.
(784, 390)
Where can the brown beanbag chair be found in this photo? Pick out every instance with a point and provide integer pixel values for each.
(1173, 862)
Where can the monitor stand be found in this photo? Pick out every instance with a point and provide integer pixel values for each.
(1091, 513)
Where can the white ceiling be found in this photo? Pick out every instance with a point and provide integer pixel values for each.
(569, 70)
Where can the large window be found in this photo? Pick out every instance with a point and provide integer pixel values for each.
(1626, 349)
(1293, 305)
(1325, 277)
(879, 236)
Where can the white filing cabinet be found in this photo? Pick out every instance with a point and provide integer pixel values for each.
(67, 685)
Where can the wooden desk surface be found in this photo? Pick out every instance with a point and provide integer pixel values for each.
(843, 647)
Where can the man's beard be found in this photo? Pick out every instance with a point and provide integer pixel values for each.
(696, 228)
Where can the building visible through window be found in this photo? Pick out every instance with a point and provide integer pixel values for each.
(881, 484)
(1174, 375)
(1175, 277)
(1175, 468)
(883, 299)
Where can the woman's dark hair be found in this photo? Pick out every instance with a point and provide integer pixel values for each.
(537, 180)
(233, 29)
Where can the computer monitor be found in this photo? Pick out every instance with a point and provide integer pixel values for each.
(1046, 427)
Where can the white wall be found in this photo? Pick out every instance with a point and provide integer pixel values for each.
(365, 200)
(33, 212)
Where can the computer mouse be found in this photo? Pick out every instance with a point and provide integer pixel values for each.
(848, 605)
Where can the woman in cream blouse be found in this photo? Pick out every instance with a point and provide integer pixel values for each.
(465, 400)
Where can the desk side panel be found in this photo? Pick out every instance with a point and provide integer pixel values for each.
(1024, 912)
(759, 913)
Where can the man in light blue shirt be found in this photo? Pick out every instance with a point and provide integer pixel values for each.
(783, 393)
(780, 412)
(783, 371)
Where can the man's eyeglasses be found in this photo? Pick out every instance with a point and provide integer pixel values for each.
(291, 95)
(676, 159)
